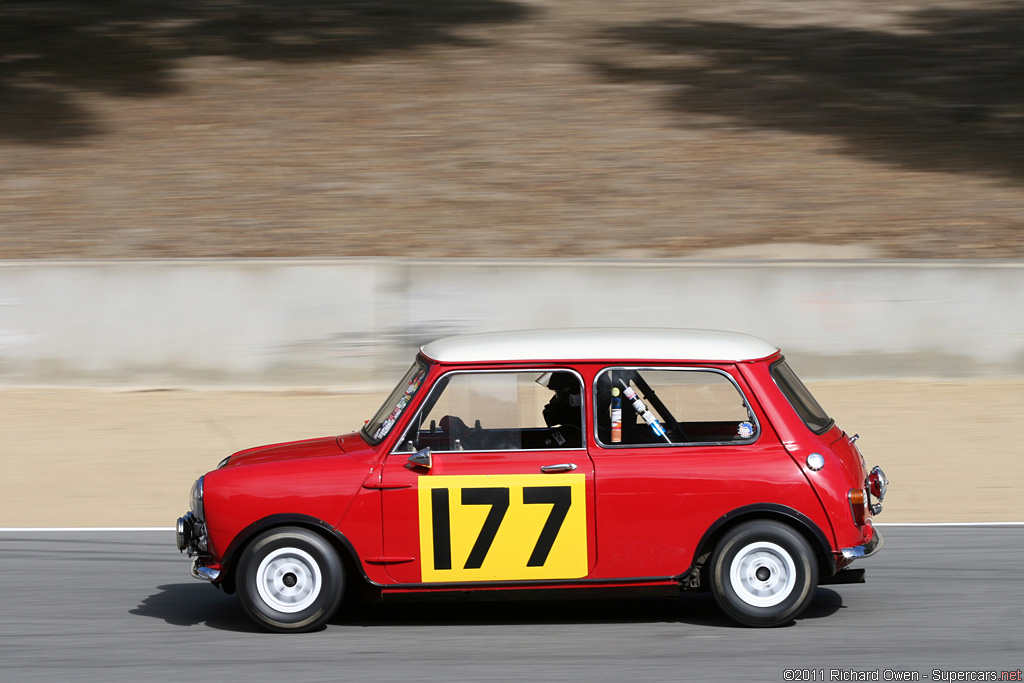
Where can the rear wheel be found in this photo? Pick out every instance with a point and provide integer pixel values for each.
(763, 573)
(290, 580)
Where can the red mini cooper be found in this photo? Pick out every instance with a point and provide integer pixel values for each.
(682, 460)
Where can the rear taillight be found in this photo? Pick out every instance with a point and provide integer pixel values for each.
(877, 483)
(858, 505)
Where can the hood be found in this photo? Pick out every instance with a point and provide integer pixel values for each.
(292, 450)
(353, 443)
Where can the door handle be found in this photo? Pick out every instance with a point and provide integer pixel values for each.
(561, 467)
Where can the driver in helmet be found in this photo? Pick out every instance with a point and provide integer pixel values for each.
(563, 412)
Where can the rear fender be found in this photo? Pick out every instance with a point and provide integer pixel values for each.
(815, 537)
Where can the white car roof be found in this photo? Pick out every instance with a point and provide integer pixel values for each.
(599, 344)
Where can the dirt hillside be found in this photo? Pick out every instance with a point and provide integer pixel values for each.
(509, 127)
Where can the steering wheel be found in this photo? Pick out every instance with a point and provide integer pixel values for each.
(456, 429)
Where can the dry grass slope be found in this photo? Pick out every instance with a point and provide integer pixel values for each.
(509, 127)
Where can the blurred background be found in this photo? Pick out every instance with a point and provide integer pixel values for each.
(592, 128)
(225, 223)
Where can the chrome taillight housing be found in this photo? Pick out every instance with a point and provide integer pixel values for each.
(877, 483)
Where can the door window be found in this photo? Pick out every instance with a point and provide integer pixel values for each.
(500, 411)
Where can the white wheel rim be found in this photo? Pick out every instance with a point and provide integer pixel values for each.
(288, 580)
(762, 574)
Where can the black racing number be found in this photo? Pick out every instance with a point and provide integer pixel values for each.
(442, 523)
(498, 500)
(560, 499)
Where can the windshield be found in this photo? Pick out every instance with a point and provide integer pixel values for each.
(800, 398)
(377, 428)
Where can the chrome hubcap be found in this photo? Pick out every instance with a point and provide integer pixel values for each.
(762, 574)
(288, 580)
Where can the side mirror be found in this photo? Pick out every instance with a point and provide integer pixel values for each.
(421, 458)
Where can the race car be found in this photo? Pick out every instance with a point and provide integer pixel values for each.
(657, 460)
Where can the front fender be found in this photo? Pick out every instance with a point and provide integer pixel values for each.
(341, 543)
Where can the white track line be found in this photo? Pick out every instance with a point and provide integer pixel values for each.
(82, 528)
(168, 528)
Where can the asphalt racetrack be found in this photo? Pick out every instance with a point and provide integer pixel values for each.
(120, 606)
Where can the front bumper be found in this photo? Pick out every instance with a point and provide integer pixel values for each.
(857, 552)
(204, 573)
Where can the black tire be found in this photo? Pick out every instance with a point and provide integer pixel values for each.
(290, 580)
(763, 573)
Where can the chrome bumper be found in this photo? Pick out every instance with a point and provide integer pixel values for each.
(866, 550)
(204, 573)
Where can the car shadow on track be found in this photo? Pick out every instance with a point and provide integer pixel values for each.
(696, 609)
(194, 604)
(189, 604)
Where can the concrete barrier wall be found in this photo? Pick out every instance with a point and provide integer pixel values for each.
(356, 322)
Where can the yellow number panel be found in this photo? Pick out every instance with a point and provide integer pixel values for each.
(503, 527)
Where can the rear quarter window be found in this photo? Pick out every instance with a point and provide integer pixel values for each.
(800, 397)
(677, 406)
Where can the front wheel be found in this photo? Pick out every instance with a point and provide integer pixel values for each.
(763, 573)
(290, 580)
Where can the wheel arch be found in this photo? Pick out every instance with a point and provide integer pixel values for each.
(346, 551)
(782, 513)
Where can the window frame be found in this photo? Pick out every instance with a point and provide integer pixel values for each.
(444, 379)
(689, 444)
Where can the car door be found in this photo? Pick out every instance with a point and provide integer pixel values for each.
(507, 495)
(690, 449)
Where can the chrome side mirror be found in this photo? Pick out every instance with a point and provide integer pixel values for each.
(421, 458)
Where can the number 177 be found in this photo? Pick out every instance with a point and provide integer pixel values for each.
(559, 497)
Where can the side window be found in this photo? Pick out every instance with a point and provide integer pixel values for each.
(650, 406)
(800, 397)
(500, 411)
